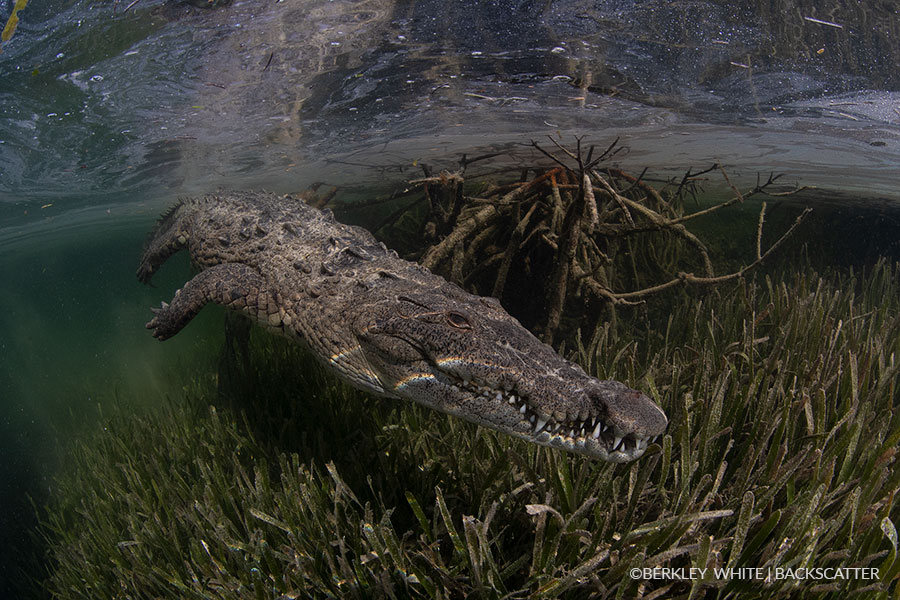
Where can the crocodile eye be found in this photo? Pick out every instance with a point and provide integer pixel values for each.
(457, 320)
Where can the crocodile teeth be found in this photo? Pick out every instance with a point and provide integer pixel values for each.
(557, 425)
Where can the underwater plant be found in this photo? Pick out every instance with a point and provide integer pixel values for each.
(781, 454)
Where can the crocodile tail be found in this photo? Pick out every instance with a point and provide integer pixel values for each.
(168, 237)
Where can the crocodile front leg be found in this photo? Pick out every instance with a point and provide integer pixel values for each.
(232, 285)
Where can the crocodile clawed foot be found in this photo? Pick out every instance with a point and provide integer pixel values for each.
(156, 311)
(156, 323)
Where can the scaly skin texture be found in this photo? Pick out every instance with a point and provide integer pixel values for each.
(389, 326)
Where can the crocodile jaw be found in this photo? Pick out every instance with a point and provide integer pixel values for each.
(467, 357)
(622, 424)
(495, 373)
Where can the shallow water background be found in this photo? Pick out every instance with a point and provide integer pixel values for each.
(107, 115)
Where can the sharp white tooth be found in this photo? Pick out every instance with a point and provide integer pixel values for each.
(523, 409)
(531, 418)
(596, 433)
(572, 433)
(541, 423)
(616, 441)
(512, 400)
(499, 396)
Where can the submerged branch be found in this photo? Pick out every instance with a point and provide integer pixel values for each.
(572, 229)
(690, 278)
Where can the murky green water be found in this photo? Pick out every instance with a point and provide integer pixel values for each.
(107, 115)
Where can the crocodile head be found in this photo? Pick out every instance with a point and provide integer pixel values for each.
(466, 356)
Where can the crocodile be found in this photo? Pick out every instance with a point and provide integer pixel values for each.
(388, 325)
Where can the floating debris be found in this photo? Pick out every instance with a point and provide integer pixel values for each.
(821, 22)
